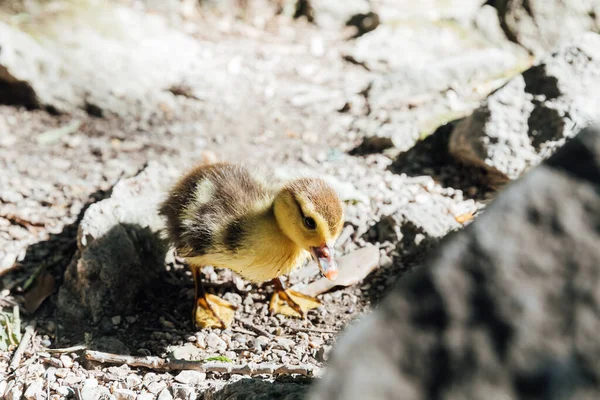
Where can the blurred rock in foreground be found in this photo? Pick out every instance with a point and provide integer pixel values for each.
(526, 120)
(508, 309)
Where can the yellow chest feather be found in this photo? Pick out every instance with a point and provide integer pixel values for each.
(266, 254)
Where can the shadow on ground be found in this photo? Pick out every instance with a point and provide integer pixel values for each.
(286, 388)
(430, 156)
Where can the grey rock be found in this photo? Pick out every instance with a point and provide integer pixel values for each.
(120, 250)
(526, 120)
(33, 389)
(190, 377)
(14, 393)
(124, 394)
(94, 393)
(215, 342)
(539, 25)
(188, 351)
(159, 387)
(19, 70)
(41, 69)
(285, 343)
(165, 394)
(133, 381)
(183, 392)
(505, 310)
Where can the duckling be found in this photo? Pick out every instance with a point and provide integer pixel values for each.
(229, 216)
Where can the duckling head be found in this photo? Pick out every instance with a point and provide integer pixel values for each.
(309, 213)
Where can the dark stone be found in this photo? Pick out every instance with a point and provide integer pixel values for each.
(372, 145)
(507, 309)
(526, 120)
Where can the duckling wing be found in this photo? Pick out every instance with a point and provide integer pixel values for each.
(206, 208)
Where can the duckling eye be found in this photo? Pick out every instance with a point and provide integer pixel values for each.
(310, 223)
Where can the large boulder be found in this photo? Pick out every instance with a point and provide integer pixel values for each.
(538, 25)
(508, 308)
(88, 58)
(120, 248)
(525, 121)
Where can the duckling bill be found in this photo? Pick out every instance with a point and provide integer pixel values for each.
(228, 216)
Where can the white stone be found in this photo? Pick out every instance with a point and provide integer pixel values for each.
(33, 389)
(165, 394)
(215, 342)
(124, 394)
(190, 377)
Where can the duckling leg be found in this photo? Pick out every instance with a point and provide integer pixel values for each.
(209, 311)
(289, 302)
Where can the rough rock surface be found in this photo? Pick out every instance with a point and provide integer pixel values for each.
(508, 308)
(43, 68)
(538, 25)
(120, 250)
(526, 120)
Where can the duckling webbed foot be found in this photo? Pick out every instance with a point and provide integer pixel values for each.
(210, 311)
(289, 302)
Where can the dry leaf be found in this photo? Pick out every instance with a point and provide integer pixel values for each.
(223, 311)
(280, 305)
(464, 218)
(41, 290)
(353, 267)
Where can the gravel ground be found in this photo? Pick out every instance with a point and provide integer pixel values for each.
(270, 90)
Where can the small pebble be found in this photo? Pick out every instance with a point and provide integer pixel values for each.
(90, 382)
(124, 394)
(67, 362)
(33, 389)
(156, 387)
(133, 381)
(116, 320)
(323, 353)
(182, 391)
(215, 342)
(239, 338)
(285, 343)
(130, 319)
(191, 377)
(61, 372)
(165, 394)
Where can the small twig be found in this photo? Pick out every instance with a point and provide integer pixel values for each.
(244, 331)
(71, 349)
(166, 364)
(17, 322)
(316, 330)
(53, 362)
(25, 340)
(256, 328)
